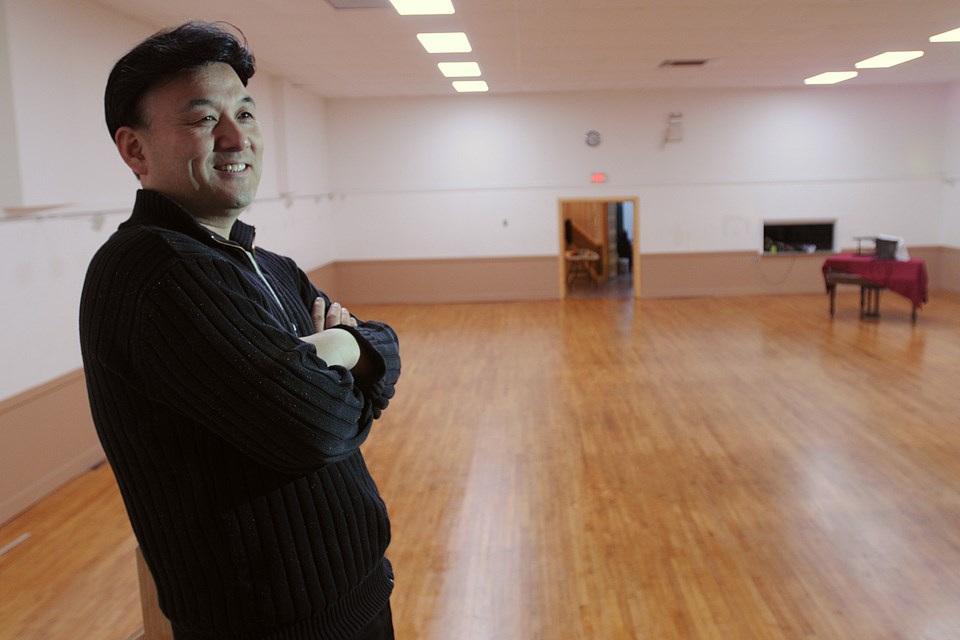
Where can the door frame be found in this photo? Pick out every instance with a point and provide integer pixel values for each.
(561, 260)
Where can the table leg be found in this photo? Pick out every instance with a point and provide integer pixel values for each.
(869, 301)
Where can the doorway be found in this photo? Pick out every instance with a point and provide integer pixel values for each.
(599, 247)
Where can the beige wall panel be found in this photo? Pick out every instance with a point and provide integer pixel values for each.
(742, 273)
(949, 270)
(48, 439)
(446, 280)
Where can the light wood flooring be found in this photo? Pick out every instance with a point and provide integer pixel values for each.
(604, 469)
(620, 286)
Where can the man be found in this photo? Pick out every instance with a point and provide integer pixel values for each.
(231, 397)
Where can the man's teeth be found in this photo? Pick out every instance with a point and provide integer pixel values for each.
(233, 168)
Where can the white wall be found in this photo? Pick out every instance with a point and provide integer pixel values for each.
(293, 208)
(459, 166)
(950, 232)
(58, 70)
(63, 155)
(294, 211)
(53, 89)
(9, 167)
(458, 176)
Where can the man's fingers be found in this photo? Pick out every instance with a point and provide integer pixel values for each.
(337, 314)
(333, 315)
(318, 313)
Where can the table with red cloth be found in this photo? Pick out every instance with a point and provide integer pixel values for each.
(906, 277)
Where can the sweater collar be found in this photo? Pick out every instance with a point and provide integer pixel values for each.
(154, 209)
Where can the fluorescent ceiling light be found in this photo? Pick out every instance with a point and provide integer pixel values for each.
(888, 59)
(470, 86)
(423, 7)
(358, 4)
(831, 77)
(445, 42)
(947, 36)
(459, 69)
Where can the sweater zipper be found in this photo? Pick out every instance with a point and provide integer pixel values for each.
(256, 267)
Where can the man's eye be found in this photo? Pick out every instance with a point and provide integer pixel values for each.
(246, 115)
(208, 119)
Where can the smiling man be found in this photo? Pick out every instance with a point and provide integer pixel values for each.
(231, 396)
(200, 144)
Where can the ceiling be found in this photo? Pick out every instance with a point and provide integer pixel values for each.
(581, 45)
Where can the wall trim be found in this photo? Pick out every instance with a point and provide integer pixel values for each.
(747, 273)
(45, 389)
(444, 280)
(729, 273)
(948, 270)
(48, 438)
(717, 273)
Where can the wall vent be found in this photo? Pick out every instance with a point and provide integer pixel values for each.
(686, 62)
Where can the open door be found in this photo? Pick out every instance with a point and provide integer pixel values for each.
(592, 242)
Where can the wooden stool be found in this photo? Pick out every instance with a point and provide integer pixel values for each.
(155, 624)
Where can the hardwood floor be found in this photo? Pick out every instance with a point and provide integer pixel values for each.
(74, 577)
(599, 469)
(620, 286)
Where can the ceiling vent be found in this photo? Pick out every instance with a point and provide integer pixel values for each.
(359, 4)
(686, 63)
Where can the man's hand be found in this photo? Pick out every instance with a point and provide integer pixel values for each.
(323, 319)
(333, 345)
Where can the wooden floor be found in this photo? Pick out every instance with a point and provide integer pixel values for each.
(619, 286)
(601, 469)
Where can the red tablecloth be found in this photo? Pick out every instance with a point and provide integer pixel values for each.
(907, 277)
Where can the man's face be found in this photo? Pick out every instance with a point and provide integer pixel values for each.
(202, 145)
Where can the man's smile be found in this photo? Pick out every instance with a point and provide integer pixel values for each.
(232, 168)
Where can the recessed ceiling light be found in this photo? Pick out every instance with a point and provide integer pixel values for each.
(947, 36)
(423, 7)
(470, 86)
(459, 69)
(831, 77)
(445, 42)
(888, 59)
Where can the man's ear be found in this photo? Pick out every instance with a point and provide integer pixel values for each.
(130, 145)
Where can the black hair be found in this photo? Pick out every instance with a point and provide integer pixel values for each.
(164, 55)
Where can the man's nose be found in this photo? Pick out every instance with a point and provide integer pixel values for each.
(230, 136)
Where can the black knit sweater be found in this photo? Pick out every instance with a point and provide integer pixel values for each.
(235, 447)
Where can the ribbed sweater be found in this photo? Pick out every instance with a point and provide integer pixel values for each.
(235, 447)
